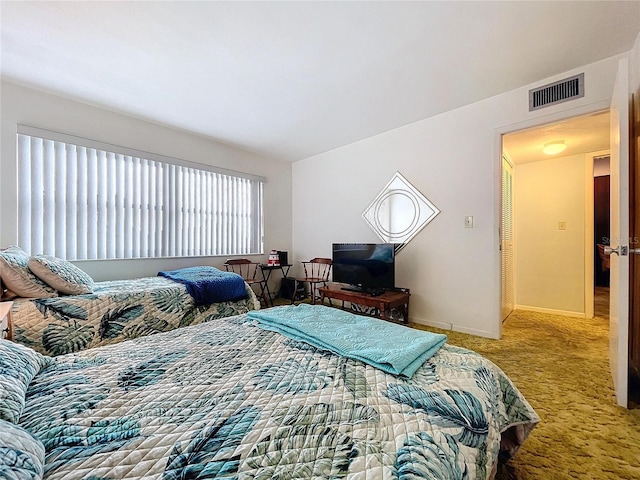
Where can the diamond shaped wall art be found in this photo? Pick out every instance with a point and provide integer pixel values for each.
(399, 212)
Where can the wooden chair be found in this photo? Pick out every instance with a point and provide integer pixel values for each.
(316, 271)
(248, 270)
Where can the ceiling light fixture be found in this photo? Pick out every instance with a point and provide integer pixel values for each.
(553, 148)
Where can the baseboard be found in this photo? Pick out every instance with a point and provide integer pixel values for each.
(551, 311)
(451, 326)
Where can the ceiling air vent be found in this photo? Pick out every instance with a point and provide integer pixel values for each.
(557, 92)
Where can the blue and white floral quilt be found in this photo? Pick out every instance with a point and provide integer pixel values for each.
(117, 310)
(226, 399)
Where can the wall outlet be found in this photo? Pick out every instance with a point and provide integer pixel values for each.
(468, 221)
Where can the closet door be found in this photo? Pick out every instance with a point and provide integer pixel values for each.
(506, 238)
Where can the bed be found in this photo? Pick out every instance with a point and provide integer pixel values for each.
(233, 399)
(116, 310)
(58, 308)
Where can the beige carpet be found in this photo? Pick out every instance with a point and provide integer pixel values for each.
(561, 366)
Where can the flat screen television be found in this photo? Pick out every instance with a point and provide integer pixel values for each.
(364, 267)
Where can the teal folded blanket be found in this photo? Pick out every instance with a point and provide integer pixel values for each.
(392, 348)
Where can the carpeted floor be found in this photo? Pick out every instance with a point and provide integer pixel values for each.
(561, 366)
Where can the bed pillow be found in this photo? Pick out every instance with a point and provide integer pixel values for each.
(64, 276)
(21, 453)
(16, 276)
(18, 365)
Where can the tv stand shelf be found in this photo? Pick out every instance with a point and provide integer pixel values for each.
(383, 303)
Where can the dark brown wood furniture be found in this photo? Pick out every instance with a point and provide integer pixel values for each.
(382, 303)
(248, 270)
(266, 273)
(316, 272)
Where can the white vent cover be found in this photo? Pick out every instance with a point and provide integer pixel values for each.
(557, 92)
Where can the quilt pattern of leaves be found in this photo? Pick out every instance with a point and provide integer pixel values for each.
(226, 399)
(115, 311)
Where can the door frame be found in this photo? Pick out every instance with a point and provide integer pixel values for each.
(589, 250)
(634, 260)
(589, 247)
(498, 133)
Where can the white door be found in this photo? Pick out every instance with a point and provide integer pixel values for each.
(506, 238)
(619, 265)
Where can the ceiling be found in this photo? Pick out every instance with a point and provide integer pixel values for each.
(584, 134)
(294, 79)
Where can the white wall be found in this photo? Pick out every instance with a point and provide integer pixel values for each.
(549, 261)
(601, 167)
(454, 159)
(21, 105)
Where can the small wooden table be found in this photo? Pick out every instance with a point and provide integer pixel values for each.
(383, 303)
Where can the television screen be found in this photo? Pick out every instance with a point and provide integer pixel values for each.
(367, 266)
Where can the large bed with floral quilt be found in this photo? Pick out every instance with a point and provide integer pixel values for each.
(235, 398)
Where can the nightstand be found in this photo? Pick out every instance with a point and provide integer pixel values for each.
(5, 320)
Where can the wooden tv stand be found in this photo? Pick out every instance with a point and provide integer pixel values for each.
(383, 303)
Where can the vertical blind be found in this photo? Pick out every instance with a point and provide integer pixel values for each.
(79, 201)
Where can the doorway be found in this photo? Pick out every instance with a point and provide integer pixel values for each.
(601, 219)
(601, 234)
(554, 250)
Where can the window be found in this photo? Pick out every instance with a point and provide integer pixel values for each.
(80, 199)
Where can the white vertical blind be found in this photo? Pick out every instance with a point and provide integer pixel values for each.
(79, 201)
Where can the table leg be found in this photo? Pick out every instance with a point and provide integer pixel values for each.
(382, 311)
(269, 300)
(263, 293)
